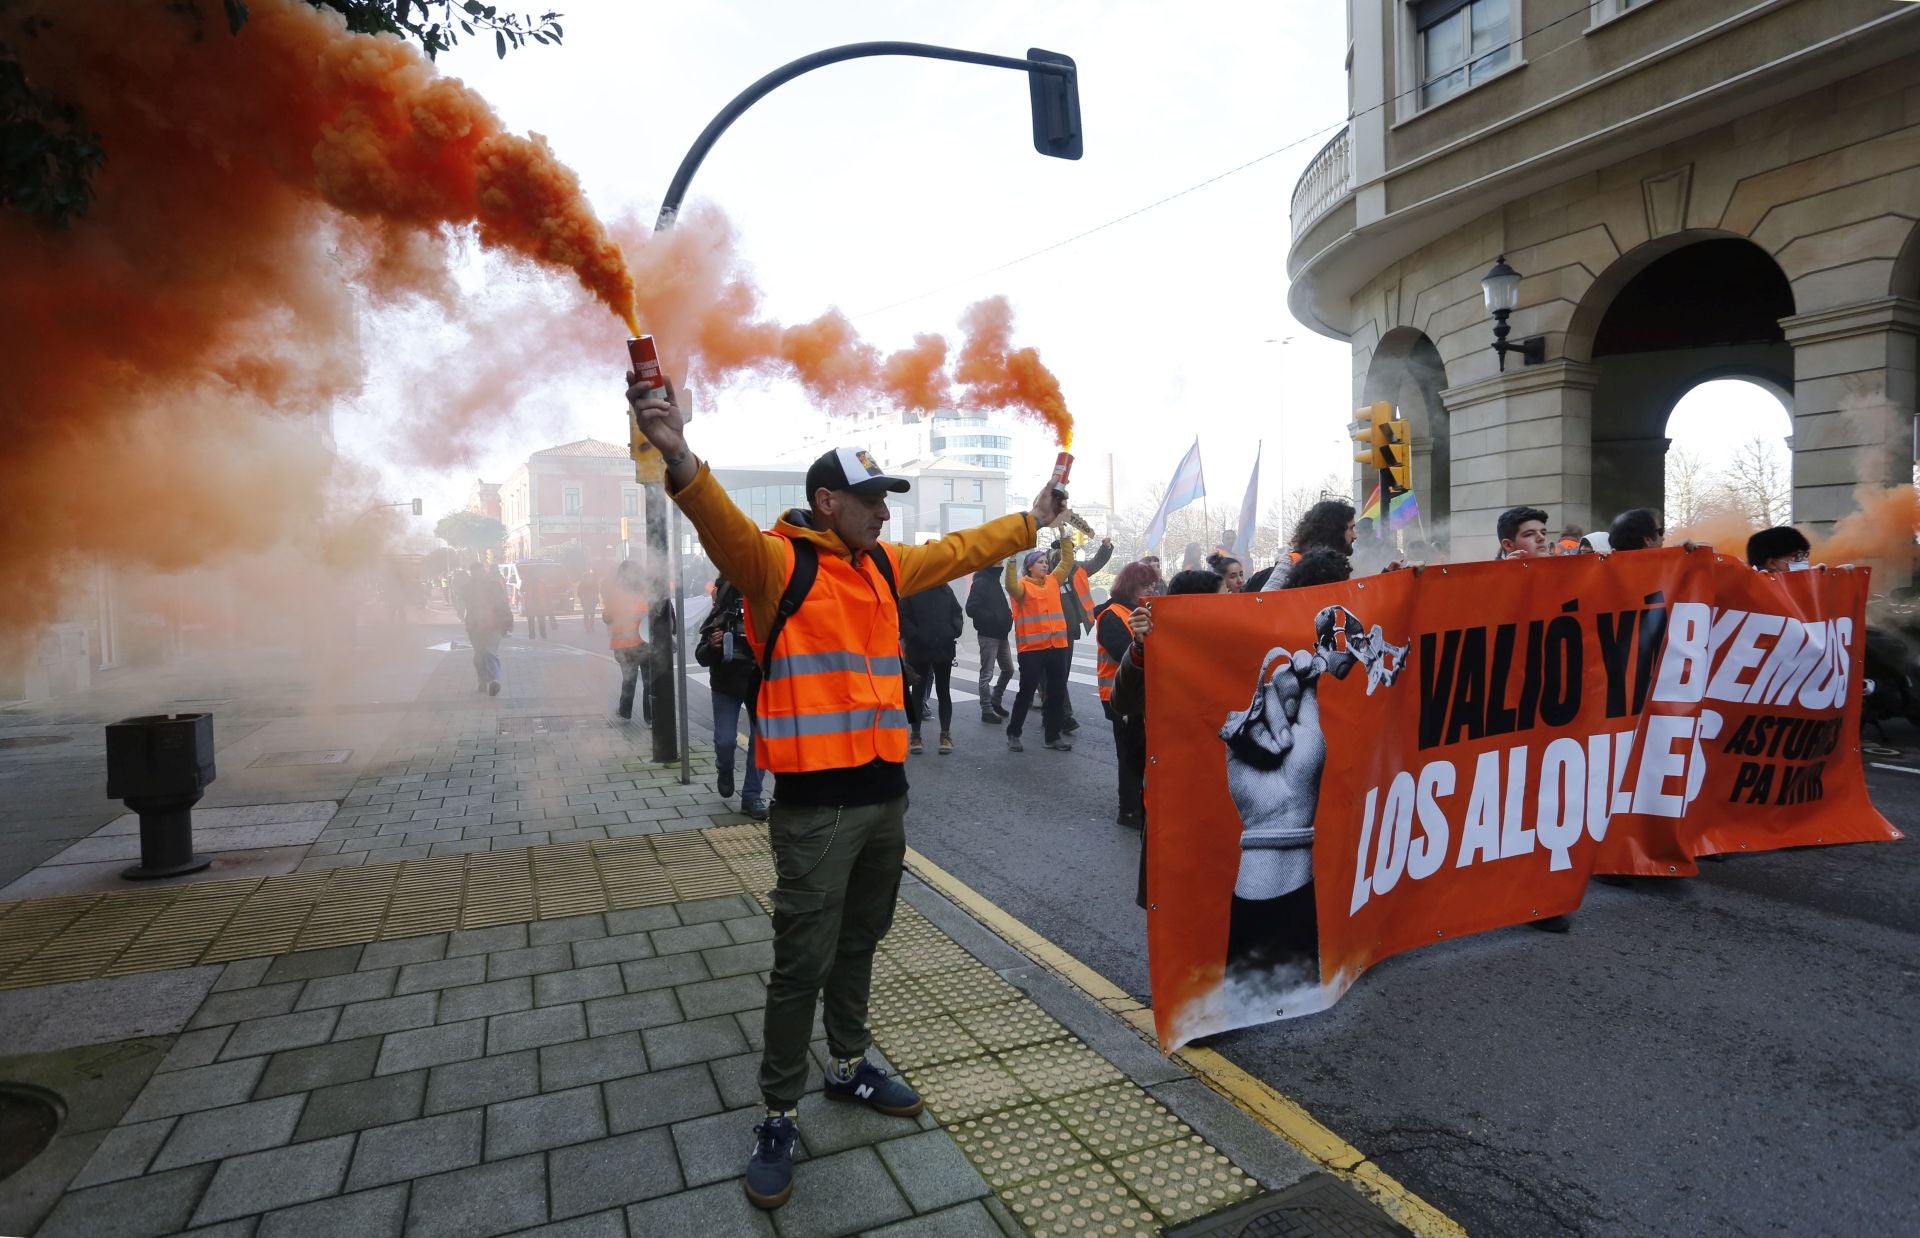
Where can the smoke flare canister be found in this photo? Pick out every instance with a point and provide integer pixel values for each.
(646, 366)
(1062, 465)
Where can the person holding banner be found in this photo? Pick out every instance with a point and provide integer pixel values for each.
(1523, 533)
(1327, 524)
(1636, 529)
(1040, 635)
(1114, 637)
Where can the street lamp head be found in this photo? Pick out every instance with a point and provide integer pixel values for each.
(1501, 287)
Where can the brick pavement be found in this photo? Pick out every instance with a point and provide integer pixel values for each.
(567, 1053)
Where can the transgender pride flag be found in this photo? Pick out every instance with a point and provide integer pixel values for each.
(1187, 485)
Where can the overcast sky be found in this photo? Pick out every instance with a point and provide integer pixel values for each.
(900, 189)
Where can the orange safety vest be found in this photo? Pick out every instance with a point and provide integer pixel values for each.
(1039, 622)
(832, 697)
(626, 614)
(1084, 590)
(1108, 669)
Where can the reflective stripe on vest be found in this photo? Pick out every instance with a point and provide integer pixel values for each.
(832, 697)
(1107, 667)
(1038, 621)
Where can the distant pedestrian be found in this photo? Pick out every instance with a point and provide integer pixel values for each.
(1076, 603)
(733, 679)
(534, 603)
(488, 617)
(589, 597)
(1040, 633)
(1192, 558)
(993, 627)
(930, 625)
(625, 615)
(1135, 583)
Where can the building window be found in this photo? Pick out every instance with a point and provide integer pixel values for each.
(629, 502)
(947, 487)
(570, 500)
(1462, 43)
(978, 490)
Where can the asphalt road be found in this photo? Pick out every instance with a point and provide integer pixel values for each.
(1734, 1053)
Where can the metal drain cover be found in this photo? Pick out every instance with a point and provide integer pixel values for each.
(324, 756)
(32, 741)
(1318, 1206)
(29, 1119)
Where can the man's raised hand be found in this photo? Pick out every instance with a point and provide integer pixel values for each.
(661, 421)
(1048, 506)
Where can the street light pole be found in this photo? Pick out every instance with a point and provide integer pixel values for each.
(1053, 87)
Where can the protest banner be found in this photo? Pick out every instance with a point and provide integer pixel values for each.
(1341, 773)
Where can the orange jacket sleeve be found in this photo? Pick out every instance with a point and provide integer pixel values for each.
(963, 552)
(752, 561)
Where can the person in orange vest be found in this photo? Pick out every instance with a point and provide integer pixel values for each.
(1113, 636)
(1041, 643)
(822, 604)
(1570, 538)
(1076, 602)
(624, 611)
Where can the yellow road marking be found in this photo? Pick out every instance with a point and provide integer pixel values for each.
(1270, 1108)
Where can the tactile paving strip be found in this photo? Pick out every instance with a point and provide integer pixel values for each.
(961, 1090)
(970, 988)
(1018, 1145)
(926, 1042)
(1118, 1119)
(1087, 1199)
(1184, 1180)
(80, 937)
(1010, 1027)
(1059, 1068)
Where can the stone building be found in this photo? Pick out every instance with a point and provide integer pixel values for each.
(1692, 189)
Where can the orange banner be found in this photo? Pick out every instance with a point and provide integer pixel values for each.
(1341, 773)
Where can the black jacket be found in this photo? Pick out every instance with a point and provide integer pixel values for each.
(738, 676)
(930, 624)
(987, 605)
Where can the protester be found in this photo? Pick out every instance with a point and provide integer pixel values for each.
(930, 625)
(1130, 691)
(1569, 543)
(625, 614)
(835, 741)
(488, 617)
(1595, 544)
(993, 627)
(589, 589)
(1233, 577)
(1076, 602)
(1328, 524)
(1782, 548)
(1113, 636)
(1319, 566)
(1523, 533)
(1192, 557)
(1636, 529)
(1040, 633)
(1153, 561)
(733, 682)
(534, 603)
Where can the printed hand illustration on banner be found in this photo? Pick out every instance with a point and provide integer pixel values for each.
(1276, 752)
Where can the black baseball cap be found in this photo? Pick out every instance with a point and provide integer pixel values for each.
(851, 468)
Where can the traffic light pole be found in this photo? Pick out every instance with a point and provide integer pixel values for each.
(1053, 86)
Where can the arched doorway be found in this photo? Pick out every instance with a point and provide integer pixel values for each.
(1406, 371)
(1661, 321)
(1729, 461)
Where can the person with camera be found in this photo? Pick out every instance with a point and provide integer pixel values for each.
(733, 679)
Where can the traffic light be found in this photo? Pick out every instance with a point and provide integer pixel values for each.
(1055, 97)
(1370, 434)
(489, 558)
(416, 507)
(626, 528)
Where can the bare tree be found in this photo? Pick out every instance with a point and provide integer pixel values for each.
(1757, 482)
(1689, 488)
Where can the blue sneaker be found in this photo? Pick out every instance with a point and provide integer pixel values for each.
(876, 1088)
(770, 1169)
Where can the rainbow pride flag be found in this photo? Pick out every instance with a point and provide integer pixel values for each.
(1403, 511)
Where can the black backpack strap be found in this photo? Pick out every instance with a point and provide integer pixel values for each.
(806, 566)
(884, 562)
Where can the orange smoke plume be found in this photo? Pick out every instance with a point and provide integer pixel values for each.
(1882, 528)
(1001, 376)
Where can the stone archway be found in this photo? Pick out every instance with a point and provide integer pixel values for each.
(1661, 320)
(1407, 372)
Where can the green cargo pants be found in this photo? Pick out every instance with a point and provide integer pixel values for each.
(839, 872)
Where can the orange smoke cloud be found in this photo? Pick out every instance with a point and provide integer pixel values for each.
(1001, 376)
(1882, 528)
(174, 357)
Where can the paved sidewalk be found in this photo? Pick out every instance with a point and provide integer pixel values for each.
(455, 1016)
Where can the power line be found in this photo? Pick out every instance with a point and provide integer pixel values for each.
(1198, 185)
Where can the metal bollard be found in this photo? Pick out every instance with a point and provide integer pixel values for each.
(160, 766)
